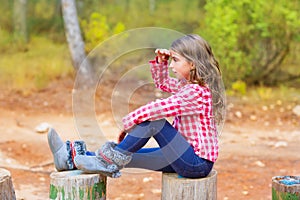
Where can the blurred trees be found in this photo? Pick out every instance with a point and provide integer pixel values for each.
(254, 38)
(255, 41)
(96, 29)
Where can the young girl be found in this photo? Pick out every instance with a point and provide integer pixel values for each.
(188, 146)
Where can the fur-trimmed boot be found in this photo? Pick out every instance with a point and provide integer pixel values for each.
(64, 152)
(107, 161)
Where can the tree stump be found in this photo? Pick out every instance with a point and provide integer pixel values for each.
(189, 189)
(7, 191)
(75, 185)
(285, 187)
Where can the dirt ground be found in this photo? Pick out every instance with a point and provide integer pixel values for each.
(258, 142)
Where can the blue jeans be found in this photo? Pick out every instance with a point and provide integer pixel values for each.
(174, 153)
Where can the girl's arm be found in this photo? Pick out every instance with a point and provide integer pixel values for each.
(161, 78)
(160, 72)
(189, 100)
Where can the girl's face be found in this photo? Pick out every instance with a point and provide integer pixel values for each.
(180, 66)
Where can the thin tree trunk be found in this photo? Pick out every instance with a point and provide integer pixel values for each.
(20, 24)
(152, 6)
(76, 44)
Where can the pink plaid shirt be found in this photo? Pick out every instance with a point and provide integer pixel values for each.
(191, 107)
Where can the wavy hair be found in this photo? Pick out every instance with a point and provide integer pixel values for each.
(206, 72)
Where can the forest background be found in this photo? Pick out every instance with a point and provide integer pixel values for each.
(256, 42)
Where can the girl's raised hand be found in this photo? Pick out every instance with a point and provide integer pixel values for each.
(162, 55)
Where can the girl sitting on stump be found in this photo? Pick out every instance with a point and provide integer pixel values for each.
(188, 146)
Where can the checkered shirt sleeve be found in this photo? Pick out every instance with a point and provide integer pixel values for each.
(161, 78)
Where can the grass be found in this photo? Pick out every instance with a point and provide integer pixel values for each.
(33, 67)
(282, 96)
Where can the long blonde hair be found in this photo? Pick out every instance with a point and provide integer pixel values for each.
(206, 72)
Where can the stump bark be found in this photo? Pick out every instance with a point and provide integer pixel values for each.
(75, 185)
(7, 191)
(285, 187)
(189, 189)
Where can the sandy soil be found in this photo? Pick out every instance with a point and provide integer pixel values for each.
(257, 143)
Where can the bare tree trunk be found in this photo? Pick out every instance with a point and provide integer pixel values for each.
(76, 44)
(7, 191)
(75, 185)
(189, 189)
(152, 6)
(20, 24)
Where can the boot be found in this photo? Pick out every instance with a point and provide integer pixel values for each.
(94, 165)
(64, 152)
(107, 161)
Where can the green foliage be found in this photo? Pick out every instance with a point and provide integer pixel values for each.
(175, 14)
(256, 41)
(5, 40)
(44, 17)
(251, 38)
(6, 15)
(96, 30)
(238, 88)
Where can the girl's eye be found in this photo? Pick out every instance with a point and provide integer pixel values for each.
(174, 59)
